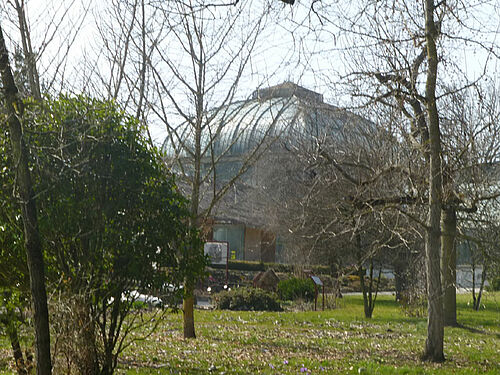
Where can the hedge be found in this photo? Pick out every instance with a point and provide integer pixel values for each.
(244, 265)
(247, 299)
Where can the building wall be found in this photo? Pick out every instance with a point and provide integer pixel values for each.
(464, 276)
(252, 244)
(246, 243)
(268, 247)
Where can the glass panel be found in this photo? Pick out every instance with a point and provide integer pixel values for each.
(280, 250)
(234, 234)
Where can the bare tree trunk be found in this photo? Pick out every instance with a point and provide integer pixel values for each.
(473, 266)
(14, 108)
(366, 306)
(449, 265)
(29, 56)
(373, 298)
(16, 350)
(9, 321)
(188, 302)
(361, 275)
(86, 346)
(188, 310)
(400, 278)
(144, 63)
(435, 323)
(370, 293)
(477, 301)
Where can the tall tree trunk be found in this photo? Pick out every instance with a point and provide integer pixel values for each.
(370, 293)
(449, 264)
(10, 323)
(188, 301)
(16, 350)
(473, 267)
(14, 109)
(369, 313)
(400, 278)
(85, 356)
(29, 55)
(477, 301)
(361, 274)
(110, 338)
(435, 323)
(188, 310)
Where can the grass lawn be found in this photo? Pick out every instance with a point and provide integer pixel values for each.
(338, 341)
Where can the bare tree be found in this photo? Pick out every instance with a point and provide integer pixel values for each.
(45, 39)
(393, 53)
(470, 153)
(480, 233)
(198, 75)
(180, 65)
(14, 109)
(402, 47)
(371, 179)
(128, 34)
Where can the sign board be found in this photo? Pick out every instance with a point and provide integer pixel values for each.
(217, 251)
(317, 280)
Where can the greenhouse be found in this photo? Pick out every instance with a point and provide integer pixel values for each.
(242, 145)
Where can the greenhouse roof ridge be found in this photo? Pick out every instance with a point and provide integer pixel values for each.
(286, 90)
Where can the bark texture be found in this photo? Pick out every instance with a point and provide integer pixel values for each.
(188, 309)
(435, 323)
(476, 299)
(29, 55)
(10, 323)
(188, 302)
(449, 264)
(14, 110)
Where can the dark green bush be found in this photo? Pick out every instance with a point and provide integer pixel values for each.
(247, 299)
(295, 288)
(495, 283)
(241, 265)
(245, 265)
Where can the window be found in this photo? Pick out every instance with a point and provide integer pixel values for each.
(234, 234)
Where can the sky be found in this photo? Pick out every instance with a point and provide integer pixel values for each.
(299, 43)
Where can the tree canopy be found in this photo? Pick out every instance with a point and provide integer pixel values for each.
(110, 215)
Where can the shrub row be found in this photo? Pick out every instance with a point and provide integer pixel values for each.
(247, 299)
(255, 299)
(244, 265)
(295, 288)
(495, 283)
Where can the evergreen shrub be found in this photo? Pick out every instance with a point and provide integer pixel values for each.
(295, 288)
(247, 299)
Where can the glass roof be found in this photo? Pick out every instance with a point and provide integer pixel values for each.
(287, 111)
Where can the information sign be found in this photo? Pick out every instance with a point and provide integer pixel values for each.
(217, 251)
